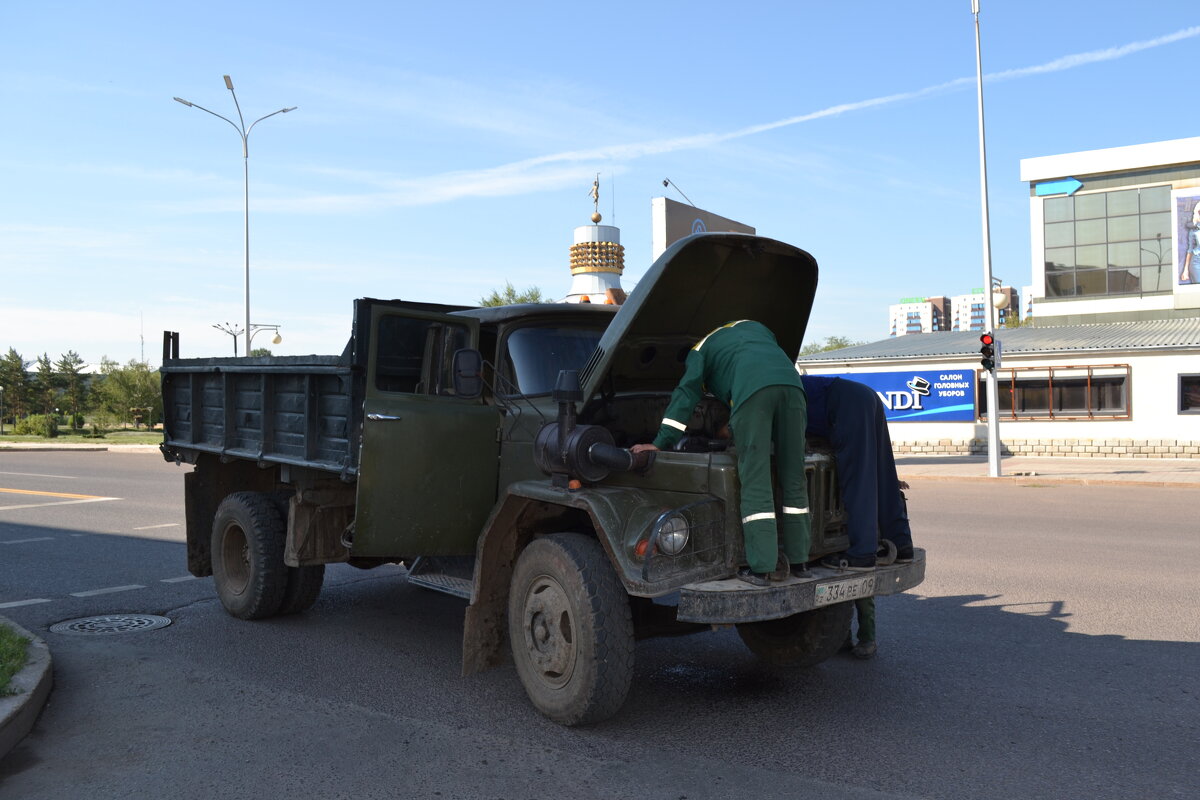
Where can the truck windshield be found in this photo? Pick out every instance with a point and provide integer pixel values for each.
(536, 354)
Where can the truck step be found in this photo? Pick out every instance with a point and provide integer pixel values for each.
(452, 575)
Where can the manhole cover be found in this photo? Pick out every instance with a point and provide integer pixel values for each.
(112, 623)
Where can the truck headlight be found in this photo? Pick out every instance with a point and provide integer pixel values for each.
(673, 534)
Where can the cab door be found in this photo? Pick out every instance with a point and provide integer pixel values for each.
(429, 459)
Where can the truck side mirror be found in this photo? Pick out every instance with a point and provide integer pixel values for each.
(468, 373)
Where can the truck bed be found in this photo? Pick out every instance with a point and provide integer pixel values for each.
(298, 410)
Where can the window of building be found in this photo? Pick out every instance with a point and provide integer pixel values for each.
(1061, 393)
(1189, 394)
(1108, 243)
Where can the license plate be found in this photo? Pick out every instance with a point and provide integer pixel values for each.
(846, 589)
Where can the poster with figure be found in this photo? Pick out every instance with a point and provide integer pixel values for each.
(1185, 218)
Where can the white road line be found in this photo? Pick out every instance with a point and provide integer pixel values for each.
(24, 541)
(178, 580)
(39, 475)
(58, 503)
(152, 527)
(109, 590)
(17, 603)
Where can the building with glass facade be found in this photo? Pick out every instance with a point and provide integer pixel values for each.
(1110, 233)
(1110, 366)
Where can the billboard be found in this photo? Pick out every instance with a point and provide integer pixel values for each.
(946, 395)
(1185, 218)
(671, 221)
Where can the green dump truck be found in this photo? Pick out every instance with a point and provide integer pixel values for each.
(485, 449)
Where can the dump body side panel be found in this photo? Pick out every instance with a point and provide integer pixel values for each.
(302, 411)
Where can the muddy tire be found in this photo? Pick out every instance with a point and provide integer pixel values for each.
(303, 588)
(247, 555)
(800, 640)
(570, 629)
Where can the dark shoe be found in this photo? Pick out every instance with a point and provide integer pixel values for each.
(781, 569)
(844, 562)
(801, 571)
(755, 578)
(864, 650)
(904, 555)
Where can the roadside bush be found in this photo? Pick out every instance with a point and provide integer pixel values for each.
(38, 425)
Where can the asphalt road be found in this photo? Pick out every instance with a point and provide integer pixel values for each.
(1053, 651)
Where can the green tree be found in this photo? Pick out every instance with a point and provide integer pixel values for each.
(261, 351)
(73, 383)
(15, 382)
(45, 386)
(510, 296)
(131, 393)
(830, 343)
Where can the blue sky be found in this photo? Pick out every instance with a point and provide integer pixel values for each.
(441, 149)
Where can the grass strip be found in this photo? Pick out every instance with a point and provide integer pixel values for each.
(12, 657)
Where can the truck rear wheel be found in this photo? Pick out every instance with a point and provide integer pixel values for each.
(570, 629)
(247, 556)
(800, 640)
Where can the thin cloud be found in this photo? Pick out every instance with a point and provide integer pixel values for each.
(545, 172)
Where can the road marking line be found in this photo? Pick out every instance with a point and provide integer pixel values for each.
(178, 580)
(23, 541)
(56, 494)
(59, 503)
(39, 475)
(152, 527)
(109, 590)
(17, 603)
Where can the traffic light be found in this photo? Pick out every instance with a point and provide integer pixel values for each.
(987, 351)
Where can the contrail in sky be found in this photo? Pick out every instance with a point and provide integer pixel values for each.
(1057, 65)
(523, 176)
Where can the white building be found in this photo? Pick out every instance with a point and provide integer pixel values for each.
(1111, 366)
(917, 315)
(1109, 232)
(1128, 389)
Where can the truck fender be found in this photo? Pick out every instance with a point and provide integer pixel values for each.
(511, 526)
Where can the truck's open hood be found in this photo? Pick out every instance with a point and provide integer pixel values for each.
(698, 284)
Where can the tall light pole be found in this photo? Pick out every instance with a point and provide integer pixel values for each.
(244, 132)
(993, 403)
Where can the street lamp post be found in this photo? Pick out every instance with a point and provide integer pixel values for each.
(993, 403)
(276, 339)
(233, 331)
(244, 133)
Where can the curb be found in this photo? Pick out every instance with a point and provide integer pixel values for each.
(32, 684)
(77, 448)
(1045, 479)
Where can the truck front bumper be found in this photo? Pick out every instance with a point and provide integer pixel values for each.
(732, 601)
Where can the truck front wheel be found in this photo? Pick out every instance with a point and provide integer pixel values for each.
(800, 640)
(570, 629)
(247, 556)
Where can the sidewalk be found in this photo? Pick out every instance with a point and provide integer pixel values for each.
(1060, 469)
(1085, 471)
(88, 447)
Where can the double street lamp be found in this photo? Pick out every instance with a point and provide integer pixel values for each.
(254, 329)
(244, 133)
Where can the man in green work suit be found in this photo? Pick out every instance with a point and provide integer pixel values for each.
(741, 364)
